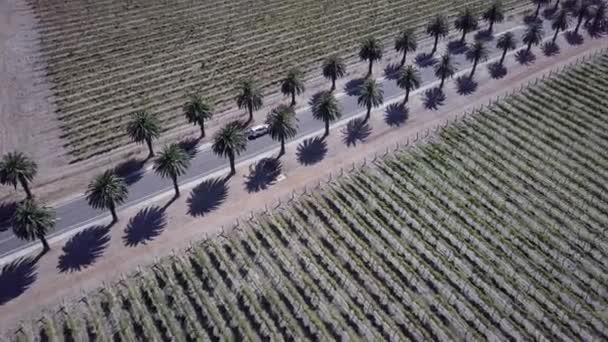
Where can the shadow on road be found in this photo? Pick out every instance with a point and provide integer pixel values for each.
(550, 49)
(6, 215)
(145, 226)
(424, 60)
(207, 196)
(391, 71)
(524, 57)
(356, 131)
(433, 98)
(457, 47)
(84, 248)
(17, 277)
(497, 70)
(131, 170)
(189, 145)
(263, 174)
(574, 38)
(353, 87)
(530, 19)
(465, 85)
(311, 151)
(484, 35)
(396, 114)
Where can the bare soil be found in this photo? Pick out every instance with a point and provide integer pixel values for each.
(51, 286)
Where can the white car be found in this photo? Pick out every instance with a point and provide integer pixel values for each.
(257, 131)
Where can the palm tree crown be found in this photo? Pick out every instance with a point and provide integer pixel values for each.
(229, 142)
(334, 68)
(107, 191)
(539, 4)
(197, 110)
(171, 163)
(438, 28)
(599, 22)
(533, 35)
(293, 84)
(560, 22)
(409, 79)
(494, 14)
(465, 23)
(370, 51)
(249, 96)
(144, 127)
(17, 168)
(477, 52)
(406, 42)
(506, 42)
(371, 95)
(33, 221)
(581, 11)
(445, 68)
(282, 125)
(325, 107)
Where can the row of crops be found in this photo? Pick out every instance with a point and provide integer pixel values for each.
(496, 229)
(110, 58)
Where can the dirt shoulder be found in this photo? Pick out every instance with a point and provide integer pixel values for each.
(149, 231)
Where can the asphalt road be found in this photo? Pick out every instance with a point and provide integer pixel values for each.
(145, 184)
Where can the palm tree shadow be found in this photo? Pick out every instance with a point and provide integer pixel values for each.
(145, 226)
(457, 47)
(6, 214)
(311, 151)
(574, 38)
(263, 174)
(484, 35)
(549, 12)
(131, 170)
(16, 277)
(208, 196)
(84, 248)
(550, 49)
(356, 131)
(353, 87)
(189, 145)
(524, 57)
(497, 70)
(391, 71)
(396, 114)
(530, 19)
(465, 85)
(424, 60)
(434, 98)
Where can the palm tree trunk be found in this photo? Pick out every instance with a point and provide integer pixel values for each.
(250, 108)
(232, 167)
(326, 128)
(150, 149)
(175, 185)
(556, 6)
(293, 98)
(529, 48)
(578, 24)
(202, 127)
(407, 96)
(555, 36)
(113, 212)
(403, 58)
(474, 67)
(537, 10)
(464, 36)
(442, 83)
(504, 54)
(26, 188)
(369, 113)
(491, 28)
(45, 244)
(282, 147)
(371, 65)
(333, 84)
(435, 45)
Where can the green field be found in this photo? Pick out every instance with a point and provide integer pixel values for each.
(109, 58)
(494, 229)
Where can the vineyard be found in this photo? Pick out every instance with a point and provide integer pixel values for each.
(496, 229)
(111, 58)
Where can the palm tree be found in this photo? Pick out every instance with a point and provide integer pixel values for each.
(560, 22)
(334, 68)
(539, 4)
(172, 162)
(144, 127)
(581, 11)
(197, 110)
(325, 107)
(556, 6)
(370, 51)
(466, 22)
(409, 79)
(249, 96)
(32, 221)
(506, 42)
(107, 191)
(229, 142)
(406, 42)
(371, 96)
(282, 124)
(437, 28)
(17, 168)
(475, 54)
(445, 68)
(293, 85)
(494, 14)
(533, 35)
(598, 19)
